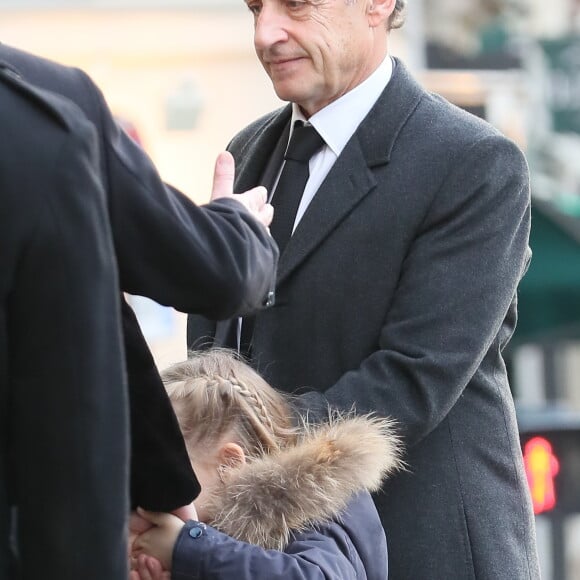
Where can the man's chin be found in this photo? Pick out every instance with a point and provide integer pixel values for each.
(287, 93)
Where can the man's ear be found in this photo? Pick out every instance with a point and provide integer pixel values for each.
(379, 12)
(231, 455)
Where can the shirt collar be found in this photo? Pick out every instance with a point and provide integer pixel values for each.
(337, 122)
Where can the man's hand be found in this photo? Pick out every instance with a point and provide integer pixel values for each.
(137, 525)
(187, 512)
(255, 200)
(148, 568)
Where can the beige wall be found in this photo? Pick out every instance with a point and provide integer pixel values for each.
(139, 58)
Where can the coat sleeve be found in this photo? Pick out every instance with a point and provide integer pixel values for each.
(202, 552)
(214, 259)
(455, 299)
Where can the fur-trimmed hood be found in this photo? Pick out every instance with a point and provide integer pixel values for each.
(307, 483)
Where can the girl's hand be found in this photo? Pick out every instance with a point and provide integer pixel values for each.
(159, 540)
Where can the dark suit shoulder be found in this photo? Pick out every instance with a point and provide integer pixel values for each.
(36, 69)
(452, 125)
(19, 95)
(407, 107)
(254, 129)
(70, 82)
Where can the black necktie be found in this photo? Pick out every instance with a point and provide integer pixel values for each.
(304, 143)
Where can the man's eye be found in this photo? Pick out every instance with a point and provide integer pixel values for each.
(295, 4)
(254, 8)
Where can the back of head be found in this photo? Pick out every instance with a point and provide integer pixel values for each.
(215, 394)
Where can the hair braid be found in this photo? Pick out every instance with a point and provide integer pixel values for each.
(255, 400)
(232, 386)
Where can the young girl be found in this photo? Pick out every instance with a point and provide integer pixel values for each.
(277, 501)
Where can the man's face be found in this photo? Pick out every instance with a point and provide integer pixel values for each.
(317, 50)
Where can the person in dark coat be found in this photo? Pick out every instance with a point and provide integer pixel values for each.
(63, 400)
(216, 259)
(278, 502)
(397, 291)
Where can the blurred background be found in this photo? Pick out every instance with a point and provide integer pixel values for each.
(181, 77)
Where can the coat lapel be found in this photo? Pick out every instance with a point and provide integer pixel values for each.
(258, 161)
(352, 177)
(350, 180)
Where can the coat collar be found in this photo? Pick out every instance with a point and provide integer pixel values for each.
(306, 483)
(351, 178)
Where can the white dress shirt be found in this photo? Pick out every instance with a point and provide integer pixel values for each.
(336, 124)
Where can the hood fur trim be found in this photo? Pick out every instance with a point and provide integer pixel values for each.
(307, 483)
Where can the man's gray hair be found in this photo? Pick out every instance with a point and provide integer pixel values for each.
(397, 18)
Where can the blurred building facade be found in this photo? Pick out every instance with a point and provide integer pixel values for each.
(525, 56)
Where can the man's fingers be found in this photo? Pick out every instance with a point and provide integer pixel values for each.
(138, 524)
(223, 176)
(266, 214)
(155, 518)
(259, 195)
(185, 513)
(154, 567)
(253, 199)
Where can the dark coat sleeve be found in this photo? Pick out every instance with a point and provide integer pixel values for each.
(161, 475)
(215, 259)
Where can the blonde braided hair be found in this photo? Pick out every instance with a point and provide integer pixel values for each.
(215, 393)
(254, 398)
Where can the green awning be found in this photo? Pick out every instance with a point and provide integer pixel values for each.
(549, 294)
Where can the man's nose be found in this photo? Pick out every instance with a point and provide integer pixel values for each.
(270, 27)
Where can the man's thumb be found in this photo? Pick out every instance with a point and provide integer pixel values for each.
(155, 518)
(223, 176)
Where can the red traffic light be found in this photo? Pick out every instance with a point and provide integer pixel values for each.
(542, 466)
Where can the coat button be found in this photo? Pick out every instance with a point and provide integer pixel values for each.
(195, 532)
(270, 299)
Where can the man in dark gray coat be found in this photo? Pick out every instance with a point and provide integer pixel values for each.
(397, 291)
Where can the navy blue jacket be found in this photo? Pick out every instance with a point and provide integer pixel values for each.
(351, 547)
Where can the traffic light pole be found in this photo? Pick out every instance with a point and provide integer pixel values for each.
(556, 519)
(558, 547)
